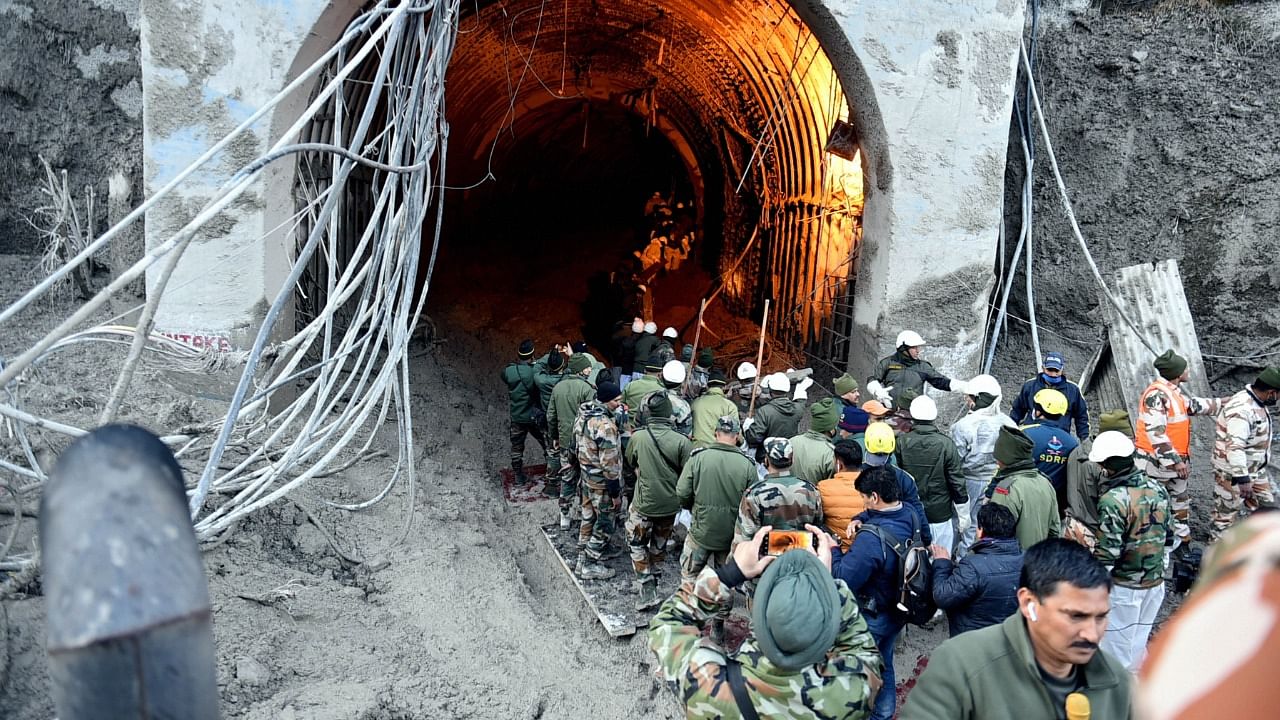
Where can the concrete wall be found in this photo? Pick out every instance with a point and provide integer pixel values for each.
(930, 83)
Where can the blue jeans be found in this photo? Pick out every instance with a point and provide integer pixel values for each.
(885, 631)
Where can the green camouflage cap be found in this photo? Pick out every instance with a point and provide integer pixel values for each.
(728, 424)
(779, 452)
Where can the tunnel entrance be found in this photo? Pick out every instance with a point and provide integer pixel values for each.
(566, 117)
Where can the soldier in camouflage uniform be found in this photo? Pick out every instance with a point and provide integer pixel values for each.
(1242, 451)
(1163, 434)
(1134, 528)
(547, 373)
(699, 374)
(781, 499)
(681, 413)
(523, 398)
(739, 391)
(666, 349)
(823, 667)
(651, 464)
(567, 396)
(599, 447)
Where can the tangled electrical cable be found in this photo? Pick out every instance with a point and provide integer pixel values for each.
(354, 351)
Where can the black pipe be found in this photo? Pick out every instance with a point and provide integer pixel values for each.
(130, 630)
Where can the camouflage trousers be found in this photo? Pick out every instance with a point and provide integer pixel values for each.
(519, 431)
(693, 559)
(568, 479)
(1227, 501)
(647, 539)
(596, 528)
(1074, 530)
(1180, 499)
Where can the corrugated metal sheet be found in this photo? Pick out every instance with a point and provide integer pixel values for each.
(1151, 295)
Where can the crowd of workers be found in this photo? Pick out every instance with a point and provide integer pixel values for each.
(1047, 552)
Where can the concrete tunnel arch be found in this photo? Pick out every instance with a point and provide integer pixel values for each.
(930, 86)
(744, 92)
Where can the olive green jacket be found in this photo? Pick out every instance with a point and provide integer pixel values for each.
(707, 410)
(991, 674)
(711, 487)
(932, 459)
(566, 398)
(652, 463)
(813, 458)
(1032, 500)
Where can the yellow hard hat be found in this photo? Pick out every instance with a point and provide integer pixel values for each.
(1051, 401)
(879, 438)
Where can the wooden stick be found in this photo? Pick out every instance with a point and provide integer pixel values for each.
(755, 385)
(693, 358)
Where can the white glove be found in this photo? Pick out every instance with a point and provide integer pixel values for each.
(802, 389)
(880, 392)
(746, 424)
(960, 386)
(962, 516)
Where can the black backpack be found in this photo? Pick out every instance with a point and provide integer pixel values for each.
(915, 574)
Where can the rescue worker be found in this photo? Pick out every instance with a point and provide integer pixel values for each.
(1084, 483)
(1163, 434)
(847, 394)
(982, 589)
(777, 418)
(880, 449)
(975, 438)
(626, 351)
(932, 459)
(522, 397)
(681, 414)
(807, 656)
(666, 348)
(599, 447)
(1053, 444)
(1053, 377)
(645, 347)
(1027, 666)
(639, 387)
(699, 374)
(709, 408)
(1242, 451)
(740, 390)
(566, 398)
(905, 369)
(813, 453)
(781, 499)
(1019, 486)
(1134, 526)
(711, 486)
(652, 464)
(547, 375)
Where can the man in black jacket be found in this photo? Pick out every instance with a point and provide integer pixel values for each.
(982, 589)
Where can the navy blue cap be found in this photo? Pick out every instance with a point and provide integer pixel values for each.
(1054, 361)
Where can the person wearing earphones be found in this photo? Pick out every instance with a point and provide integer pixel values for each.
(1041, 659)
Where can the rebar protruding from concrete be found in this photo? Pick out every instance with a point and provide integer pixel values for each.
(129, 622)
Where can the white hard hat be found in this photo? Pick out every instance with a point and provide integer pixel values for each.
(637, 325)
(909, 338)
(673, 371)
(1111, 444)
(669, 333)
(778, 383)
(924, 409)
(746, 371)
(984, 384)
(651, 327)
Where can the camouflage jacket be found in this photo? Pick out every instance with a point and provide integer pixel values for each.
(599, 446)
(681, 413)
(707, 410)
(566, 397)
(740, 393)
(696, 385)
(1135, 521)
(784, 501)
(1242, 444)
(665, 351)
(843, 685)
(1154, 417)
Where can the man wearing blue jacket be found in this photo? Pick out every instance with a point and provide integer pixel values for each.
(870, 569)
(879, 446)
(982, 589)
(1053, 376)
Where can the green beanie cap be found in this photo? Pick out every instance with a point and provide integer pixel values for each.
(1117, 420)
(845, 384)
(1013, 446)
(1170, 365)
(796, 614)
(824, 416)
(1270, 377)
(658, 404)
(578, 362)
